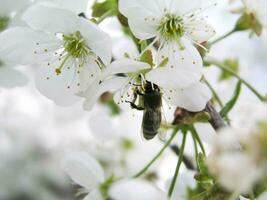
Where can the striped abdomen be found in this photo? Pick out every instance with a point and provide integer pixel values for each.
(151, 123)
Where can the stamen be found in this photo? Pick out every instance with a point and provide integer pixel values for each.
(171, 27)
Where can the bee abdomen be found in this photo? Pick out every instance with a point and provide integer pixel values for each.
(148, 134)
(151, 124)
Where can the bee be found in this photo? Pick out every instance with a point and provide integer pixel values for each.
(151, 104)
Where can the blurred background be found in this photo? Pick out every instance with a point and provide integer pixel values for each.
(35, 133)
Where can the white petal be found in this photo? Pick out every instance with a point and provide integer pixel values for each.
(19, 44)
(95, 91)
(96, 39)
(263, 196)
(83, 170)
(193, 99)
(88, 74)
(140, 8)
(199, 30)
(7, 8)
(143, 16)
(184, 6)
(142, 29)
(10, 78)
(135, 189)
(94, 195)
(74, 6)
(184, 67)
(125, 66)
(51, 19)
(59, 88)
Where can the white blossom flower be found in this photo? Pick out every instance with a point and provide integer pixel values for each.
(135, 189)
(175, 25)
(71, 51)
(192, 98)
(85, 171)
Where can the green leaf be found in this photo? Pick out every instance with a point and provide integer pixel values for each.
(147, 57)
(107, 7)
(231, 64)
(229, 106)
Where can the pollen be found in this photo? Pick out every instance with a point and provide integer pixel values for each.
(58, 71)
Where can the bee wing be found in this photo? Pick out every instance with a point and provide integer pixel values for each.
(162, 132)
(162, 135)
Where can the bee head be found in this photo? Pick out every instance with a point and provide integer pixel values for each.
(150, 87)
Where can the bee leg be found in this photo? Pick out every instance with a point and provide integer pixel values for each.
(135, 106)
(139, 93)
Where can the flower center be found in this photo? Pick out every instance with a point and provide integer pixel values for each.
(75, 45)
(3, 22)
(171, 27)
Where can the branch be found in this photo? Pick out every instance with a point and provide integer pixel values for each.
(216, 120)
(187, 162)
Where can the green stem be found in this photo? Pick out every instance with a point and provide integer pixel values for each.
(222, 37)
(195, 147)
(196, 136)
(175, 131)
(223, 67)
(217, 98)
(180, 160)
(104, 16)
(234, 196)
(252, 196)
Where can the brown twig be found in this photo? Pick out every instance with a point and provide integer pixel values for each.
(216, 120)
